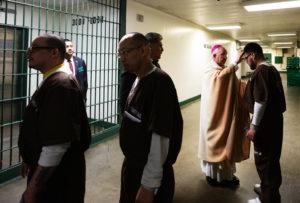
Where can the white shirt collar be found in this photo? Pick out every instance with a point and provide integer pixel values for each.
(266, 63)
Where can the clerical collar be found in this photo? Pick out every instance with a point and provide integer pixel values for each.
(52, 70)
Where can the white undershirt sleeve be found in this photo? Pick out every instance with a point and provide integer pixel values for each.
(153, 170)
(52, 155)
(259, 110)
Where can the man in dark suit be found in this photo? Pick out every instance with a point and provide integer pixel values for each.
(77, 66)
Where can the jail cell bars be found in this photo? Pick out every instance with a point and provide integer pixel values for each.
(94, 28)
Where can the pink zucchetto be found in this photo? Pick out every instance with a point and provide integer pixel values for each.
(214, 48)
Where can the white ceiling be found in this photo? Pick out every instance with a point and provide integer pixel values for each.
(254, 24)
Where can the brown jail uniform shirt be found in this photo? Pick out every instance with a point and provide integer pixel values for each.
(265, 85)
(56, 114)
(153, 107)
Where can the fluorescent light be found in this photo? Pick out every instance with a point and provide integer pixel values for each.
(283, 42)
(272, 6)
(249, 40)
(223, 27)
(264, 46)
(281, 34)
(284, 47)
(221, 42)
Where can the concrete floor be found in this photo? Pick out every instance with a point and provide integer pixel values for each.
(104, 163)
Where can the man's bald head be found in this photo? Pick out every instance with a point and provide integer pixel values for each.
(137, 39)
(57, 42)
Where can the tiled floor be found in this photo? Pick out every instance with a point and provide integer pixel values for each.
(104, 163)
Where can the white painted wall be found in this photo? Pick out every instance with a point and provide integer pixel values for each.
(184, 53)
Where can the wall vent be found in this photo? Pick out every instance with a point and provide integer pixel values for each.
(139, 18)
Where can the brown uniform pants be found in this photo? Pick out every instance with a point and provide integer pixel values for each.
(267, 155)
(131, 176)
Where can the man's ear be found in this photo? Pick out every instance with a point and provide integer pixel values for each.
(55, 52)
(145, 49)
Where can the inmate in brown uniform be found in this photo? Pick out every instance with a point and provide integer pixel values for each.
(265, 85)
(154, 107)
(56, 114)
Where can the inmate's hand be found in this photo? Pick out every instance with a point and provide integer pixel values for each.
(144, 195)
(25, 169)
(240, 58)
(28, 196)
(250, 134)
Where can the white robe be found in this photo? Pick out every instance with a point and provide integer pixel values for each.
(222, 119)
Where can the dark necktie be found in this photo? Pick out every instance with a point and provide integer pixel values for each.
(71, 66)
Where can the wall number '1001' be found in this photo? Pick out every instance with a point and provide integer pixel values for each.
(92, 20)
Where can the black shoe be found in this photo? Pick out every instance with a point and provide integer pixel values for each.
(235, 182)
(257, 189)
(211, 181)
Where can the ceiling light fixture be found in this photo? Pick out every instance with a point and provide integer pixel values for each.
(281, 34)
(249, 40)
(259, 6)
(284, 47)
(283, 42)
(224, 27)
(221, 41)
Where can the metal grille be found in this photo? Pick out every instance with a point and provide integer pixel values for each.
(94, 28)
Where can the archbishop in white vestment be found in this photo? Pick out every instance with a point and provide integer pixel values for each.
(223, 120)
